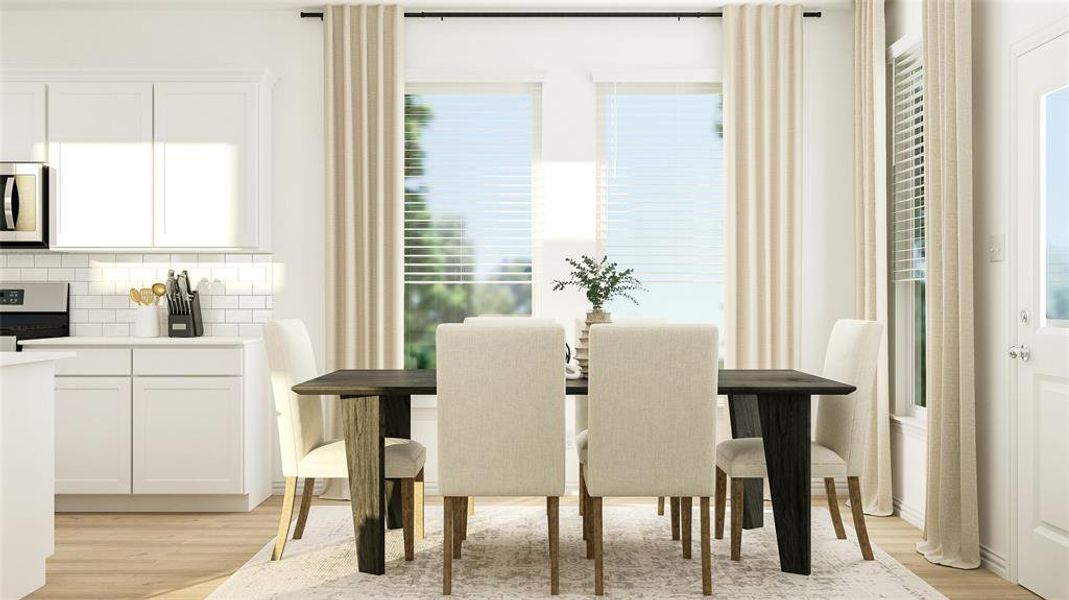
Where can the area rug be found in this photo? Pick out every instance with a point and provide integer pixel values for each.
(506, 556)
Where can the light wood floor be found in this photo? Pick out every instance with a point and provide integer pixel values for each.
(189, 555)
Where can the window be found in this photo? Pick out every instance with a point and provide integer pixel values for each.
(661, 197)
(1056, 207)
(470, 156)
(908, 267)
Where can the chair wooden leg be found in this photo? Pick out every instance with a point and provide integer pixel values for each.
(582, 493)
(584, 502)
(738, 491)
(599, 547)
(460, 515)
(721, 501)
(306, 504)
(408, 502)
(447, 546)
(553, 509)
(833, 508)
(707, 551)
(685, 513)
(420, 530)
(660, 506)
(588, 526)
(859, 517)
(470, 505)
(285, 518)
(467, 503)
(674, 507)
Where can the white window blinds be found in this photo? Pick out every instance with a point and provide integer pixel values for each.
(470, 152)
(660, 179)
(907, 166)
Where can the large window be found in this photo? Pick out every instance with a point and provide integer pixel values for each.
(660, 195)
(470, 155)
(908, 265)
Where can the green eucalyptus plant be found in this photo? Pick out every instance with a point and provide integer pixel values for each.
(602, 280)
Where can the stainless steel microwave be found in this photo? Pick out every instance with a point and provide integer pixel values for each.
(23, 205)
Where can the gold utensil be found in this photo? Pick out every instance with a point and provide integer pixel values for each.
(159, 289)
(135, 295)
(147, 297)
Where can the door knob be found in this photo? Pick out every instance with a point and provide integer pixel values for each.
(1022, 352)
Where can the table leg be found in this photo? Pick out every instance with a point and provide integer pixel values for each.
(362, 423)
(785, 428)
(746, 422)
(398, 416)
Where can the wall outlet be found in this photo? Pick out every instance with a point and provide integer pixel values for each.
(996, 247)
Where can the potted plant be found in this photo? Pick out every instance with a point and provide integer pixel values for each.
(602, 281)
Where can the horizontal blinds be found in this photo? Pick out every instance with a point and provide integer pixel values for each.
(907, 167)
(468, 184)
(660, 196)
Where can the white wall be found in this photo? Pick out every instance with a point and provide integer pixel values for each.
(997, 25)
(564, 51)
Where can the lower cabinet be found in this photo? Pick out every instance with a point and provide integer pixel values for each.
(93, 435)
(187, 435)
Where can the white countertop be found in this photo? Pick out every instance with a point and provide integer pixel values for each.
(10, 359)
(82, 342)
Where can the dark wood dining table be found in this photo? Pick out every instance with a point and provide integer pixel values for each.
(772, 404)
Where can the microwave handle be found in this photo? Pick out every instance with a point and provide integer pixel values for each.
(9, 204)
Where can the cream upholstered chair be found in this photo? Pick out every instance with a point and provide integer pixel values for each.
(305, 452)
(500, 424)
(838, 447)
(651, 425)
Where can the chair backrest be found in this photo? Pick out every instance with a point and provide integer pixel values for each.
(507, 320)
(843, 421)
(500, 410)
(300, 418)
(652, 410)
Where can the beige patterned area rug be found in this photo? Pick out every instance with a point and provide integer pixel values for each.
(505, 556)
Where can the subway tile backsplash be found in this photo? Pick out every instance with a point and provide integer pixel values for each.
(100, 287)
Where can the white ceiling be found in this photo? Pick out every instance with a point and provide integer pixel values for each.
(485, 5)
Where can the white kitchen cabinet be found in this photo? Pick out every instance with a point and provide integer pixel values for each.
(206, 164)
(100, 145)
(92, 435)
(187, 435)
(22, 121)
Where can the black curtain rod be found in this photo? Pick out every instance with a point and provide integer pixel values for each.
(542, 15)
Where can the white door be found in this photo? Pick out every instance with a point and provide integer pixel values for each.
(22, 121)
(100, 145)
(206, 164)
(187, 435)
(92, 435)
(1041, 287)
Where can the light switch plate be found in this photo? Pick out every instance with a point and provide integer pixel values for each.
(996, 247)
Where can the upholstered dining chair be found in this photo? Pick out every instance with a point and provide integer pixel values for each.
(500, 424)
(306, 453)
(838, 446)
(651, 426)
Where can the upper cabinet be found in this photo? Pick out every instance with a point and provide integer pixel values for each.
(206, 143)
(22, 122)
(153, 161)
(100, 145)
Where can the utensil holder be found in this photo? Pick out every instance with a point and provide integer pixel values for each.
(147, 321)
(187, 325)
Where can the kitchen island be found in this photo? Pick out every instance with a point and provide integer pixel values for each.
(27, 468)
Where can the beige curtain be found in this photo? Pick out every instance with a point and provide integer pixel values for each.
(762, 164)
(870, 229)
(951, 521)
(364, 108)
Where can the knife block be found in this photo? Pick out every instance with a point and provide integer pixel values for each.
(191, 325)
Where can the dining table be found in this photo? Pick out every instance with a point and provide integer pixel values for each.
(773, 404)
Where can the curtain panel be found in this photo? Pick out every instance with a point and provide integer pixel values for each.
(364, 110)
(870, 229)
(951, 523)
(762, 168)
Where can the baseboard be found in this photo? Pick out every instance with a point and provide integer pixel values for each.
(163, 503)
(910, 514)
(994, 562)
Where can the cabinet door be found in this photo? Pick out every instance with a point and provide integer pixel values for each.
(92, 435)
(22, 121)
(100, 144)
(206, 165)
(187, 435)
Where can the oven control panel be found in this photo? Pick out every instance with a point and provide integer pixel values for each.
(12, 297)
